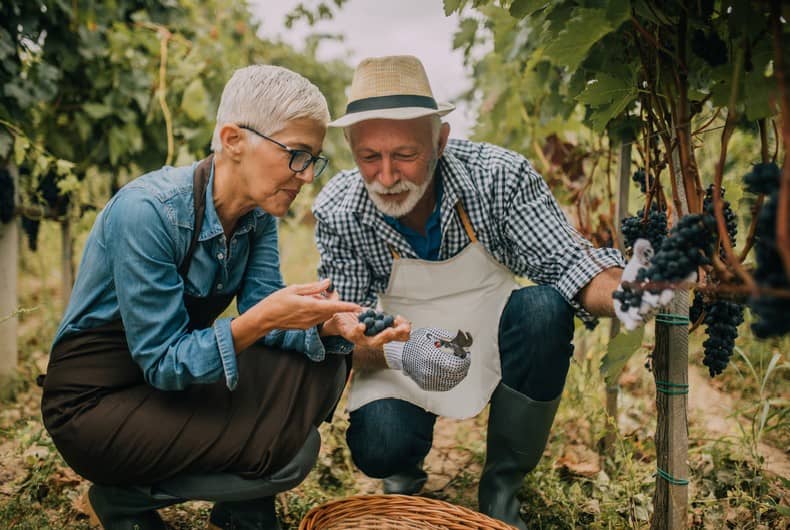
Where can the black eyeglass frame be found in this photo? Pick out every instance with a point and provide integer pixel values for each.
(318, 169)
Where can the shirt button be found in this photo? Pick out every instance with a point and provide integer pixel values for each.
(219, 286)
(220, 255)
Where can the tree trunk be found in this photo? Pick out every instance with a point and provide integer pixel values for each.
(623, 184)
(9, 248)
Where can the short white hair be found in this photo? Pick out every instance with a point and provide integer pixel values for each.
(266, 98)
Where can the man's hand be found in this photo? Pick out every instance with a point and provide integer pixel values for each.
(348, 326)
(627, 303)
(431, 358)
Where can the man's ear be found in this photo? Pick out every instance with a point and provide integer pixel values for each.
(233, 140)
(444, 135)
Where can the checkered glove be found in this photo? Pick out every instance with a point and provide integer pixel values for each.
(430, 358)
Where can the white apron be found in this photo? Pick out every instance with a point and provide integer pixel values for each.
(466, 292)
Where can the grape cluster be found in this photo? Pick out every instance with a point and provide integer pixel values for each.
(6, 196)
(763, 178)
(628, 298)
(376, 321)
(698, 306)
(722, 320)
(640, 178)
(48, 193)
(709, 47)
(686, 248)
(654, 229)
(770, 312)
(30, 227)
(729, 216)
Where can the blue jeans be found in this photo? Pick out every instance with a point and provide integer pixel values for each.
(389, 436)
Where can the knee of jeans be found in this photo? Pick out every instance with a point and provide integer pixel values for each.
(543, 312)
(380, 452)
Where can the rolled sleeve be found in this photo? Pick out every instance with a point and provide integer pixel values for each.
(313, 347)
(227, 352)
(590, 263)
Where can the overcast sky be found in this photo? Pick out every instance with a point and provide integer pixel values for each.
(374, 28)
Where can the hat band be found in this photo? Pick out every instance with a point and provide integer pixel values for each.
(391, 102)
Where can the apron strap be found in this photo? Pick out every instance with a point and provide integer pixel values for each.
(470, 231)
(466, 222)
(199, 184)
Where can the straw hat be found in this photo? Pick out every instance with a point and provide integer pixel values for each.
(391, 88)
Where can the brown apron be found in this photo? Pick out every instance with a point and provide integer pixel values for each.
(114, 428)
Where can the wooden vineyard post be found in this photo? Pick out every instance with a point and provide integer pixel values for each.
(67, 259)
(670, 371)
(9, 248)
(623, 183)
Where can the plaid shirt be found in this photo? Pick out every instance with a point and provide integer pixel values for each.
(511, 208)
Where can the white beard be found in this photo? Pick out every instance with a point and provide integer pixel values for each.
(378, 194)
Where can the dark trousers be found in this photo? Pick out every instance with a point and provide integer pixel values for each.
(389, 436)
(113, 428)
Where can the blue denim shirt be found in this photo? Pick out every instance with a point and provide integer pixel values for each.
(129, 270)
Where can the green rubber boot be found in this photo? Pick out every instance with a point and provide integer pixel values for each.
(406, 483)
(257, 514)
(126, 508)
(518, 429)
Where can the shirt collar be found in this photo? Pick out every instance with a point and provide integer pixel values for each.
(212, 227)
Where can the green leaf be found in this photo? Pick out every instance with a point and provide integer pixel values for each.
(116, 144)
(451, 6)
(620, 349)
(601, 117)
(97, 111)
(759, 95)
(585, 28)
(195, 100)
(21, 145)
(618, 11)
(6, 141)
(524, 8)
(606, 89)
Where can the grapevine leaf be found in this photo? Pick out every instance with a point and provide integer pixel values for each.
(465, 36)
(585, 28)
(97, 111)
(524, 8)
(21, 145)
(606, 89)
(6, 141)
(450, 6)
(601, 117)
(620, 349)
(758, 93)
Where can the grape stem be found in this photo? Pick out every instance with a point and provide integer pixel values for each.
(758, 204)
(783, 210)
(721, 288)
(718, 204)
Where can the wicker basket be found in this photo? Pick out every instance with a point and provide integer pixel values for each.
(396, 512)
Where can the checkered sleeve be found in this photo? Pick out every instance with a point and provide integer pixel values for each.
(338, 260)
(543, 244)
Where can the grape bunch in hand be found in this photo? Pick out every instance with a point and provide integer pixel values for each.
(375, 321)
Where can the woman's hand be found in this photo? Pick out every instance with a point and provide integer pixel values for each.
(302, 306)
(348, 326)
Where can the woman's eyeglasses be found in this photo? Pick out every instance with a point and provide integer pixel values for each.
(300, 159)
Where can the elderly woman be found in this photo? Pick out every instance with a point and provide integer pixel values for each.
(151, 396)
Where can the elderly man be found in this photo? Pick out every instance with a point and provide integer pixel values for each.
(435, 230)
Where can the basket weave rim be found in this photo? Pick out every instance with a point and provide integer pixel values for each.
(431, 513)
